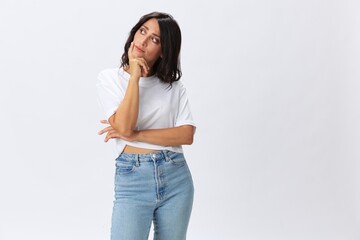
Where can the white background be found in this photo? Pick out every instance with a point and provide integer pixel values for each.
(274, 88)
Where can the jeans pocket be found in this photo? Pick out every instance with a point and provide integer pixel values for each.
(177, 159)
(124, 167)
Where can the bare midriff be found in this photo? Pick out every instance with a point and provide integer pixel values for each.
(136, 150)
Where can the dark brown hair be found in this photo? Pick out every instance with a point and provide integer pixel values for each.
(167, 67)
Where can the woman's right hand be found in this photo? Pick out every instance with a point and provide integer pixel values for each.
(112, 133)
(138, 66)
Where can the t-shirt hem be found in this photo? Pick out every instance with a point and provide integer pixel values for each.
(121, 144)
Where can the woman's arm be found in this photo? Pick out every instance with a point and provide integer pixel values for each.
(175, 136)
(182, 135)
(125, 118)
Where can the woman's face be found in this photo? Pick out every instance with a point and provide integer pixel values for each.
(147, 42)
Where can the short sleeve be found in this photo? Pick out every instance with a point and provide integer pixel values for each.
(109, 96)
(184, 116)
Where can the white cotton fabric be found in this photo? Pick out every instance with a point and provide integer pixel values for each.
(159, 105)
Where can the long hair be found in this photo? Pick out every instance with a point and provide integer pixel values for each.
(167, 68)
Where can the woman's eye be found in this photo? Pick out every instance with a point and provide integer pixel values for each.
(155, 40)
(142, 31)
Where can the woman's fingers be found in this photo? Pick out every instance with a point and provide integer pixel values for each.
(107, 129)
(130, 51)
(138, 65)
(111, 134)
(143, 64)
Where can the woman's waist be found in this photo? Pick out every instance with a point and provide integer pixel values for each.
(138, 150)
(142, 147)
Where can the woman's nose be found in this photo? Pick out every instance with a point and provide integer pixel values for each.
(144, 40)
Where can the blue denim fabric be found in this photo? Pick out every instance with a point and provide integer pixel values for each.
(154, 187)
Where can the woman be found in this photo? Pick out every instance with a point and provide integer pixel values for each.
(148, 113)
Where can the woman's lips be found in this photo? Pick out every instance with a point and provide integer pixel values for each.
(139, 49)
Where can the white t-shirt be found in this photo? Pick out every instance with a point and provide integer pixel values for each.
(159, 105)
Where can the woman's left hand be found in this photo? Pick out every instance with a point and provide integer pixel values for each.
(112, 133)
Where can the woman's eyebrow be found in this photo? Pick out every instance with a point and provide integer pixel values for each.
(152, 33)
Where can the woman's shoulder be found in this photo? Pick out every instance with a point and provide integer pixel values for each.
(108, 73)
(174, 87)
(179, 85)
(113, 75)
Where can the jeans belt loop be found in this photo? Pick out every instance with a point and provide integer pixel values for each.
(166, 154)
(137, 160)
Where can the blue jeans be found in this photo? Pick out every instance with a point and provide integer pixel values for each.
(154, 187)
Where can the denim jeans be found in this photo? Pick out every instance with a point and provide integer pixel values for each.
(154, 187)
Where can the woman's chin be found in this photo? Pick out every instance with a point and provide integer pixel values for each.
(138, 54)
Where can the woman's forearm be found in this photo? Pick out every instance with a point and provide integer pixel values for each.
(182, 135)
(125, 118)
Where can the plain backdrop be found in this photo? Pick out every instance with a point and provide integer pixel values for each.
(273, 86)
